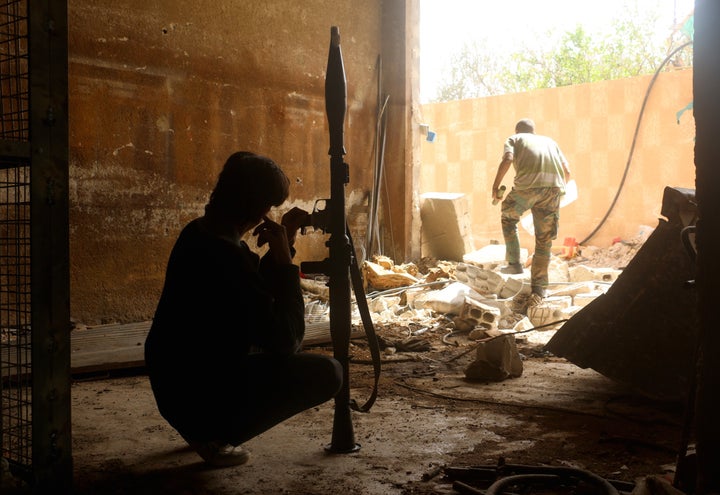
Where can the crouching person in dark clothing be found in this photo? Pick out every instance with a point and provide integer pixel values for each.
(223, 351)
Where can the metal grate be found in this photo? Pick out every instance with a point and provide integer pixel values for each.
(15, 337)
(14, 85)
(15, 287)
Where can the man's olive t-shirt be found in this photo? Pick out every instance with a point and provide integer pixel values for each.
(538, 161)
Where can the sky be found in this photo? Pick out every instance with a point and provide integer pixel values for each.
(508, 24)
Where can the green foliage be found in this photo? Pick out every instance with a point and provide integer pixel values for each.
(629, 48)
(474, 72)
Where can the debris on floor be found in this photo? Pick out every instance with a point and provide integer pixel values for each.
(495, 360)
(434, 423)
(417, 305)
(465, 382)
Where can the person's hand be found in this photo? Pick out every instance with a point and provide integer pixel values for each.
(293, 220)
(497, 193)
(275, 236)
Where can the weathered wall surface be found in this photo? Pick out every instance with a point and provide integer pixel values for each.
(594, 125)
(161, 92)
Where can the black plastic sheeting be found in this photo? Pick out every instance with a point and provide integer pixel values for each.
(644, 331)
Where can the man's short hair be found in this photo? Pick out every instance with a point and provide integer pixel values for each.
(525, 125)
(248, 185)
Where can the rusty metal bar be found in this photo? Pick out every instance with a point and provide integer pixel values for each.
(48, 69)
(706, 80)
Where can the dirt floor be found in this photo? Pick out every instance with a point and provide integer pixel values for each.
(428, 426)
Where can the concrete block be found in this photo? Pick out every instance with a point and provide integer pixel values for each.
(383, 303)
(491, 256)
(482, 280)
(448, 300)
(522, 325)
(582, 273)
(495, 360)
(482, 315)
(446, 226)
(479, 333)
(562, 302)
(551, 309)
(607, 274)
(461, 274)
(583, 300)
(570, 312)
(503, 305)
(558, 270)
(573, 289)
(514, 285)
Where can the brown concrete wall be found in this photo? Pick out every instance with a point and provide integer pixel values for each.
(162, 91)
(399, 209)
(594, 125)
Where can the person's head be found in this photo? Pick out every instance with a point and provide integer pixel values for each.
(247, 187)
(525, 125)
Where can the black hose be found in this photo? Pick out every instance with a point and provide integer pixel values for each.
(552, 476)
(634, 141)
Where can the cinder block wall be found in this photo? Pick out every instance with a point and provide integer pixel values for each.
(594, 125)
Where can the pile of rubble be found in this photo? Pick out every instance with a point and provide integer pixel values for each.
(617, 255)
(475, 298)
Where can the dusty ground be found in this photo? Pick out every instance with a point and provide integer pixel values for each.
(428, 426)
(427, 420)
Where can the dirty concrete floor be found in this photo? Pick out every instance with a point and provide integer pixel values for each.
(427, 419)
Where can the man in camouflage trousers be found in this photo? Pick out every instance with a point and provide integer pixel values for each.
(541, 172)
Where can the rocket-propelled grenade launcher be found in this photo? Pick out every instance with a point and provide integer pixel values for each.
(333, 221)
(341, 266)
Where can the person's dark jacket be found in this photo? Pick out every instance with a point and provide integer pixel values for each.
(220, 302)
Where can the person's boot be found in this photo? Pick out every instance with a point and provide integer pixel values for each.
(534, 300)
(218, 454)
(512, 269)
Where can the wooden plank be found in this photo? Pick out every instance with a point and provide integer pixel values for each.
(121, 346)
(108, 347)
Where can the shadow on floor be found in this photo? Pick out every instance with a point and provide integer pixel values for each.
(116, 477)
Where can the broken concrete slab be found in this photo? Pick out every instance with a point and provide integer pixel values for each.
(558, 270)
(573, 289)
(446, 232)
(495, 360)
(383, 303)
(448, 300)
(582, 273)
(515, 285)
(491, 256)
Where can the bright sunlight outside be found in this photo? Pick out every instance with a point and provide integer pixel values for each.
(508, 26)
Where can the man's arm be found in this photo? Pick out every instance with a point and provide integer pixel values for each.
(566, 170)
(504, 166)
